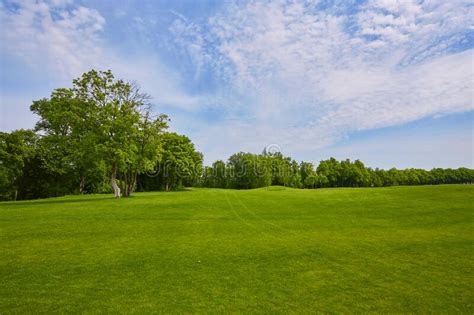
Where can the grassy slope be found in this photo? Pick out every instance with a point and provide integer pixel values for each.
(384, 249)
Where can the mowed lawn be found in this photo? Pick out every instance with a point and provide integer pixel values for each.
(397, 249)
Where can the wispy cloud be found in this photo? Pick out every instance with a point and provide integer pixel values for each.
(245, 74)
(316, 74)
(50, 36)
(59, 40)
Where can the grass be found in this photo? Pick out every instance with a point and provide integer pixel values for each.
(399, 249)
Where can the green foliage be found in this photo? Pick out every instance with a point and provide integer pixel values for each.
(15, 150)
(246, 170)
(180, 165)
(100, 125)
(120, 120)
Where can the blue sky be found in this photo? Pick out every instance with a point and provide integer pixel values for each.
(389, 82)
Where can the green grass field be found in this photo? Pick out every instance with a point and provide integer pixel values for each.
(399, 249)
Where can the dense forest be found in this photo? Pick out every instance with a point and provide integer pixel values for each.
(102, 136)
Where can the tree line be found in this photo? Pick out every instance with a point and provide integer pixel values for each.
(247, 171)
(102, 136)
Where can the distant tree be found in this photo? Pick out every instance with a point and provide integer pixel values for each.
(219, 174)
(311, 181)
(306, 170)
(294, 179)
(331, 169)
(180, 164)
(207, 178)
(280, 168)
(361, 175)
(248, 171)
(322, 181)
(15, 150)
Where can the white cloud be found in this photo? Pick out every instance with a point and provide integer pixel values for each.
(56, 41)
(297, 74)
(313, 76)
(48, 36)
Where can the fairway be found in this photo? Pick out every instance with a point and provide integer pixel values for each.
(395, 249)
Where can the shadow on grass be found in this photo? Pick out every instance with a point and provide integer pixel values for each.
(80, 198)
(164, 191)
(54, 200)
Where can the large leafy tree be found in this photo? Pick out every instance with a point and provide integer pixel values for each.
(100, 121)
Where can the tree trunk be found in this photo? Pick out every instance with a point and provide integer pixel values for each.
(125, 184)
(56, 185)
(82, 183)
(132, 184)
(113, 181)
(130, 180)
(16, 195)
